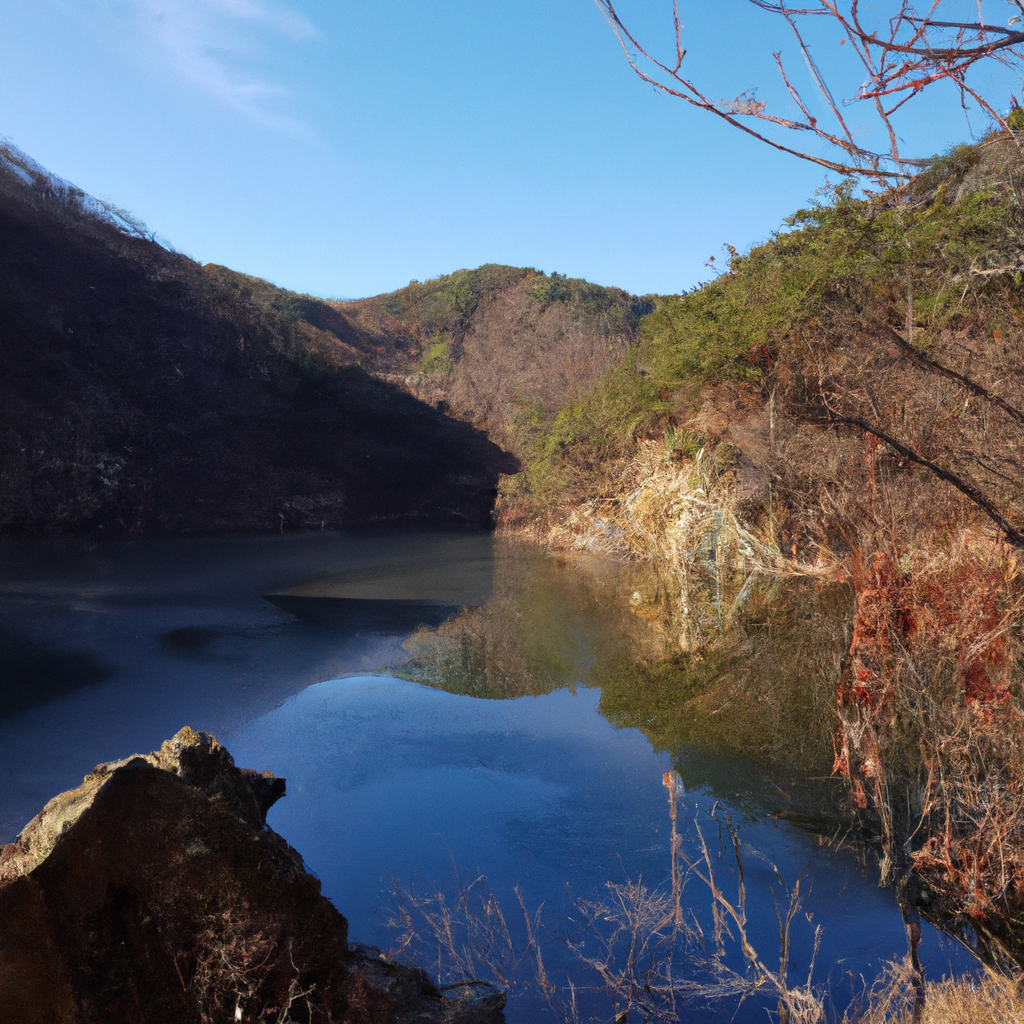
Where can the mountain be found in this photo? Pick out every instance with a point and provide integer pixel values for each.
(142, 394)
(503, 348)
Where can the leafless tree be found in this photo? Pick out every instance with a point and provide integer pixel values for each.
(898, 52)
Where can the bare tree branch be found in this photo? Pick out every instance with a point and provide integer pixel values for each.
(916, 52)
(1013, 536)
(689, 92)
(971, 385)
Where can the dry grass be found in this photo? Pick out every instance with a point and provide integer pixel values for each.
(238, 972)
(644, 944)
(930, 729)
(681, 519)
(925, 697)
(466, 939)
(657, 962)
(992, 998)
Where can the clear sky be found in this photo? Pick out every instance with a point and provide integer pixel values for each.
(345, 147)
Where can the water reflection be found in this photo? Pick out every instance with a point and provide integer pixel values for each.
(32, 671)
(189, 641)
(390, 778)
(107, 649)
(555, 777)
(753, 716)
(352, 615)
(549, 624)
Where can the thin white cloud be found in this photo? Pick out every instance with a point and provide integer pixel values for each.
(292, 23)
(216, 45)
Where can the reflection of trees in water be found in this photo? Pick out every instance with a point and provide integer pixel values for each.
(923, 654)
(549, 624)
(763, 692)
(752, 715)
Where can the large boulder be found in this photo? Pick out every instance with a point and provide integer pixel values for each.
(155, 892)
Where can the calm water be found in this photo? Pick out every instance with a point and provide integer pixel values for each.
(269, 643)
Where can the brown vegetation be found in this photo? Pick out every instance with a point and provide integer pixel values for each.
(500, 347)
(992, 998)
(656, 962)
(844, 406)
(503, 348)
(141, 395)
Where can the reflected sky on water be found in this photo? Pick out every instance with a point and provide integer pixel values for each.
(109, 649)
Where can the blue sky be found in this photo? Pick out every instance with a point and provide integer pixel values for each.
(345, 147)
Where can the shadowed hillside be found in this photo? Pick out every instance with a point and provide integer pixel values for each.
(141, 394)
(503, 348)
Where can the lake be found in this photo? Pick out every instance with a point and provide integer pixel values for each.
(530, 769)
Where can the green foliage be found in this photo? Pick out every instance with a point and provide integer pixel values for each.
(683, 443)
(927, 241)
(559, 288)
(437, 358)
(709, 333)
(585, 436)
(946, 169)
(556, 288)
(618, 308)
(446, 304)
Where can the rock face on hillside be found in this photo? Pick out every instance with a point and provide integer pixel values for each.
(141, 395)
(155, 893)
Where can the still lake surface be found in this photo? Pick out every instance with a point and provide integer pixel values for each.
(281, 647)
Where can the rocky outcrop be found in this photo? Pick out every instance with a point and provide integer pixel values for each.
(155, 892)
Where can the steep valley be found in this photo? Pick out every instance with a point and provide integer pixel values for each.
(811, 466)
(142, 396)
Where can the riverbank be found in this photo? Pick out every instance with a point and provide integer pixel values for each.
(840, 412)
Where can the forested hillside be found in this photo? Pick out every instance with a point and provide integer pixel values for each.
(815, 457)
(902, 312)
(818, 456)
(503, 348)
(142, 395)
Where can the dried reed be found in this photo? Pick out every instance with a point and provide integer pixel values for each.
(681, 520)
(992, 998)
(645, 944)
